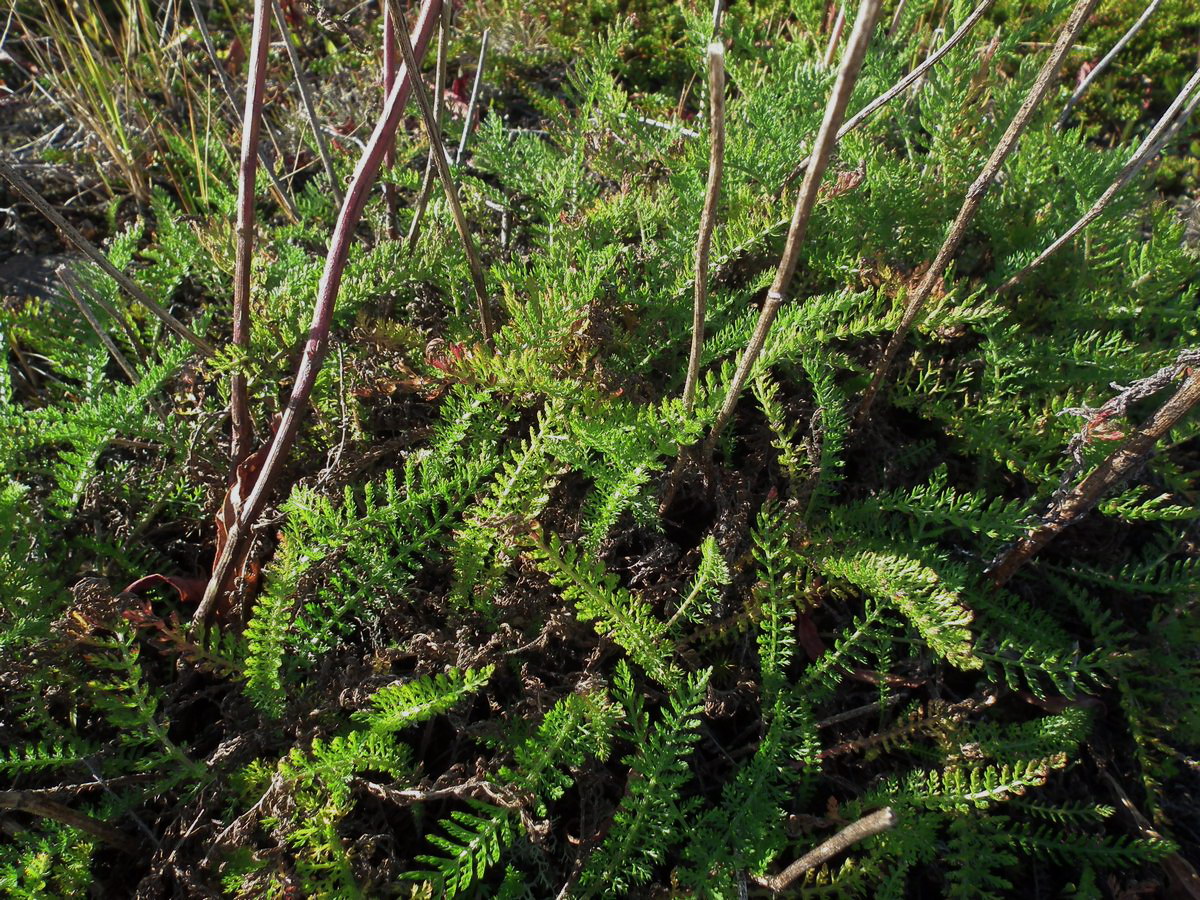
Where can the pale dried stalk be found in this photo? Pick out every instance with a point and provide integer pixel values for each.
(868, 826)
(310, 109)
(896, 17)
(473, 104)
(73, 291)
(256, 86)
(899, 87)
(86, 247)
(439, 114)
(231, 95)
(708, 218)
(317, 345)
(112, 312)
(1104, 63)
(1114, 469)
(835, 109)
(1164, 129)
(974, 198)
(835, 35)
(438, 151)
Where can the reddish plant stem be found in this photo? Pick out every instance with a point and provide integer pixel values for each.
(1116, 468)
(974, 199)
(256, 82)
(317, 344)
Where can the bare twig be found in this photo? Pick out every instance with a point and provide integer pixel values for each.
(73, 291)
(473, 104)
(868, 826)
(896, 17)
(310, 108)
(256, 86)
(438, 151)
(318, 334)
(708, 218)
(974, 198)
(835, 34)
(231, 95)
(439, 113)
(1160, 135)
(899, 87)
(1121, 463)
(835, 109)
(39, 805)
(130, 335)
(390, 64)
(86, 247)
(1104, 63)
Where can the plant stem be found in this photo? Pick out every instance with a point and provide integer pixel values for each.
(317, 345)
(72, 288)
(899, 87)
(1162, 132)
(835, 35)
(310, 109)
(835, 109)
(708, 218)
(868, 826)
(256, 85)
(974, 199)
(438, 151)
(390, 65)
(43, 807)
(472, 106)
(1114, 469)
(1104, 63)
(439, 114)
(86, 247)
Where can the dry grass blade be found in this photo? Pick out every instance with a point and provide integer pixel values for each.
(473, 103)
(438, 151)
(73, 290)
(835, 110)
(310, 109)
(1160, 135)
(1119, 465)
(1099, 68)
(708, 218)
(390, 65)
(439, 113)
(900, 86)
(86, 247)
(974, 199)
(317, 345)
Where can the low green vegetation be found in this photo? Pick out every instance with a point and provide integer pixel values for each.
(503, 628)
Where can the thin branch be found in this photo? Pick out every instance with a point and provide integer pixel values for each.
(974, 199)
(1104, 63)
(310, 108)
(835, 109)
(86, 247)
(231, 95)
(900, 86)
(473, 104)
(44, 807)
(390, 65)
(868, 826)
(708, 218)
(256, 86)
(835, 35)
(111, 311)
(1118, 466)
(1160, 135)
(438, 151)
(317, 345)
(439, 114)
(72, 288)
(896, 17)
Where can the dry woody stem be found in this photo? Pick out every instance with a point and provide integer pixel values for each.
(317, 344)
(438, 151)
(868, 826)
(86, 247)
(310, 109)
(256, 82)
(1099, 68)
(835, 110)
(38, 805)
(74, 291)
(1158, 138)
(974, 199)
(473, 103)
(390, 65)
(900, 86)
(708, 218)
(439, 115)
(1121, 463)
